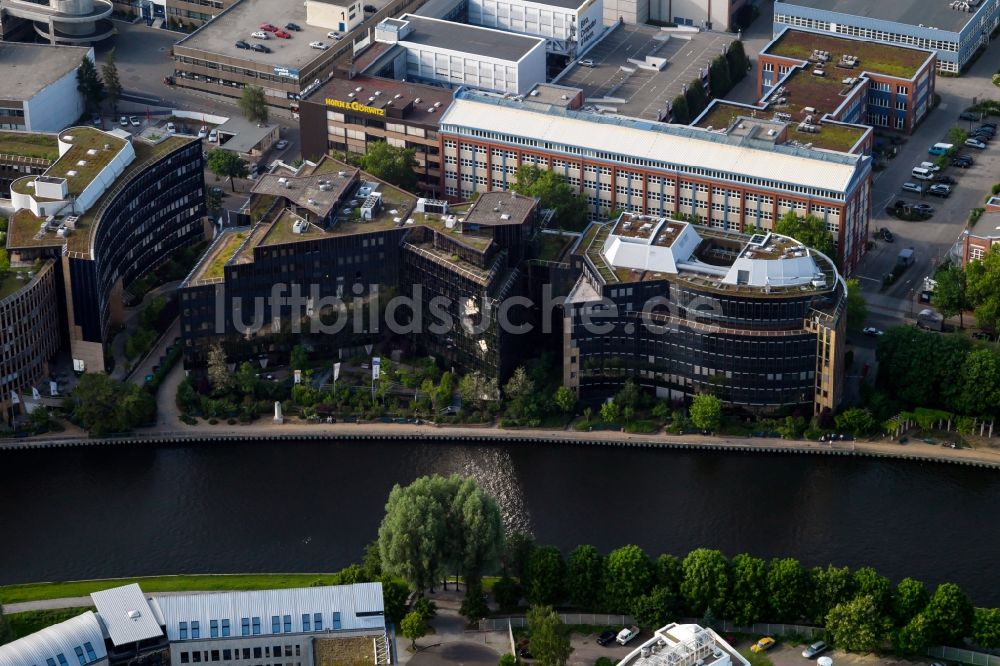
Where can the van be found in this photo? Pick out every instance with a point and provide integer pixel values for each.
(940, 148)
(921, 173)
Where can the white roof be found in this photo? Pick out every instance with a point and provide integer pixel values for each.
(59, 639)
(649, 144)
(360, 607)
(126, 614)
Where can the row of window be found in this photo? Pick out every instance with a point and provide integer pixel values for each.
(230, 654)
(251, 626)
(84, 654)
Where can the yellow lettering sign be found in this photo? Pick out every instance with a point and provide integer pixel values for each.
(354, 106)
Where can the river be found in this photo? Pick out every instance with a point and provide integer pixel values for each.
(280, 507)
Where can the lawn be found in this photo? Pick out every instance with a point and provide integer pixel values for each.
(834, 137)
(875, 57)
(551, 246)
(12, 594)
(23, 624)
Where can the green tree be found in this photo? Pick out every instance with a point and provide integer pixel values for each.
(809, 230)
(393, 164)
(517, 554)
(655, 609)
(104, 406)
(629, 396)
(979, 388)
(718, 77)
(549, 637)
(6, 634)
(413, 627)
(679, 112)
(213, 200)
(225, 164)
(299, 358)
(426, 608)
(553, 192)
(546, 576)
(394, 596)
(982, 280)
(706, 581)
(856, 420)
(473, 606)
(507, 659)
(949, 294)
(706, 412)
(857, 625)
(4, 263)
(628, 574)
(669, 572)
(748, 600)
(565, 399)
(585, 576)
(89, 83)
(253, 104)
(950, 614)
(957, 136)
(478, 530)
(478, 391)
(914, 637)
(868, 582)
(507, 593)
(738, 61)
(112, 84)
(857, 306)
(610, 412)
(909, 599)
(787, 588)
(246, 380)
(921, 368)
(696, 98)
(520, 393)
(218, 369)
(985, 628)
(830, 586)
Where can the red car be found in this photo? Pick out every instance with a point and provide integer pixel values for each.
(282, 34)
(267, 27)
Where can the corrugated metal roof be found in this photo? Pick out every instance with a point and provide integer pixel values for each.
(682, 147)
(348, 600)
(59, 639)
(126, 614)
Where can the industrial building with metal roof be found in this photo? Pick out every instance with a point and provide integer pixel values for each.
(78, 641)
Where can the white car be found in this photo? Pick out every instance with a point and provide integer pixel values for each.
(318, 45)
(171, 128)
(872, 331)
(975, 143)
(213, 136)
(333, 34)
(930, 166)
(260, 34)
(203, 132)
(281, 145)
(123, 121)
(135, 121)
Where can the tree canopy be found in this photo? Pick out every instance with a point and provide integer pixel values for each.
(627, 576)
(112, 83)
(546, 575)
(706, 581)
(748, 599)
(89, 83)
(982, 279)
(809, 230)
(553, 192)
(857, 307)
(253, 104)
(104, 406)
(857, 625)
(706, 412)
(549, 637)
(585, 576)
(227, 164)
(393, 164)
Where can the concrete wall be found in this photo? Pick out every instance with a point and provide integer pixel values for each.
(531, 69)
(342, 17)
(57, 106)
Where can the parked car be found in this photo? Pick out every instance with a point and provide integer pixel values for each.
(947, 180)
(333, 34)
(282, 34)
(203, 132)
(171, 128)
(267, 27)
(134, 121)
(982, 135)
(318, 45)
(886, 235)
(939, 190)
(371, 9)
(294, 27)
(962, 161)
(815, 650)
(988, 124)
(968, 115)
(586, 62)
(241, 44)
(989, 129)
(260, 34)
(281, 145)
(524, 654)
(975, 143)
(923, 208)
(606, 637)
(123, 121)
(873, 332)
(260, 48)
(626, 635)
(930, 166)
(763, 645)
(213, 136)
(912, 187)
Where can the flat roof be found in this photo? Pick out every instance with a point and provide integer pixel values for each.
(219, 35)
(564, 4)
(29, 144)
(319, 192)
(394, 93)
(988, 225)
(684, 645)
(126, 614)
(556, 95)
(840, 137)
(931, 13)
(640, 92)
(874, 57)
(247, 135)
(672, 144)
(30, 68)
(464, 38)
(500, 208)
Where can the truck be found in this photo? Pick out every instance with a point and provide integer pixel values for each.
(626, 635)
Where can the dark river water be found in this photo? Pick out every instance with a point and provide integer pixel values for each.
(116, 511)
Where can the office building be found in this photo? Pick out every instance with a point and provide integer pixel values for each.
(456, 54)
(39, 91)
(956, 29)
(805, 74)
(78, 22)
(750, 174)
(684, 645)
(108, 210)
(568, 26)
(333, 233)
(347, 115)
(685, 309)
(717, 15)
(338, 625)
(978, 240)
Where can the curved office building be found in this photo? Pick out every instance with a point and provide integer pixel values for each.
(70, 22)
(683, 309)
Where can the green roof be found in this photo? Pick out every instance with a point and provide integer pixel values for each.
(876, 57)
(39, 146)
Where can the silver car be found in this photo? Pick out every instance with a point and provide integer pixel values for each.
(912, 187)
(815, 650)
